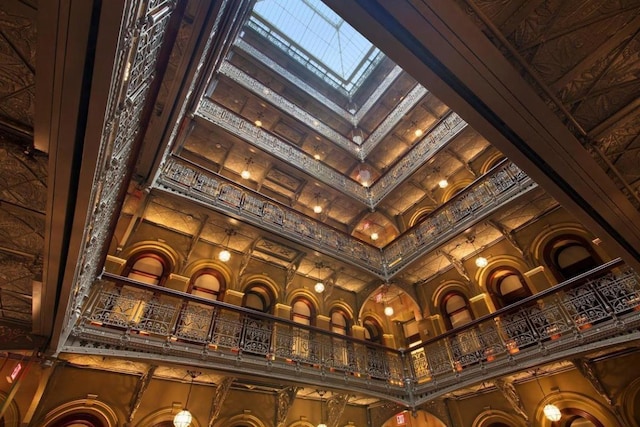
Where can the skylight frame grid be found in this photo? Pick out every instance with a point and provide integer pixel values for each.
(280, 25)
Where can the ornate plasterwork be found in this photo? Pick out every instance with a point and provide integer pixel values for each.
(583, 61)
(284, 400)
(17, 67)
(143, 27)
(22, 226)
(512, 396)
(222, 390)
(335, 408)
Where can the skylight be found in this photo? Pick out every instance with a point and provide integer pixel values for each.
(319, 39)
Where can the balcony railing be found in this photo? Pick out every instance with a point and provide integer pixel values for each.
(594, 310)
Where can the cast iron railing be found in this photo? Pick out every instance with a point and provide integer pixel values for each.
(592, 310)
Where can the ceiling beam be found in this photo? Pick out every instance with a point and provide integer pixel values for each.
(440, 46)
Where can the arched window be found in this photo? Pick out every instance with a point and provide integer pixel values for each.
(207, 283)
(148, 267)
(507, 286)
(456, 310)
(259, 297)
(568, 256)
(340, 322)
(302, 311)
(372, 330)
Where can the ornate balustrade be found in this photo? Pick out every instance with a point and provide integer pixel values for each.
(594, 310)
(136, 316)
(204, 186)
(501, 185)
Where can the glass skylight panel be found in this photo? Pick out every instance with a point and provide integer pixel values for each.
(315, 36)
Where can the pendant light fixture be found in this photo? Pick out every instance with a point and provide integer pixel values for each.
(317, 208)
(246, 172)
(551, 411)
(480, 261)
(224, 254)
(322, 423)
(184, 417)
(319, 286)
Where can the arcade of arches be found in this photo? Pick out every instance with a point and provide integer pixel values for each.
(205, 211)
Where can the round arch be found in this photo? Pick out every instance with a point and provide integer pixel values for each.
(220, 267)
(374, 309)
(506, 262)
(264, 280)
(301, 423)
(91, 407)
(574, 401)
(240, 420)
(11, 417)
(306, 294)
(153, 246)
(340, 305)
(162, 416)
(491, 416)
(421, 418)
(454, 188)
(539, 243)
(419, 214)
(444, 289)
(630, 402)
(491, 161)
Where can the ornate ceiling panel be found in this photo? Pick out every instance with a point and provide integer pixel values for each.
(17, 64)
(583, 59)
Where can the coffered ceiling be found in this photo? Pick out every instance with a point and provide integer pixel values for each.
(315, 145)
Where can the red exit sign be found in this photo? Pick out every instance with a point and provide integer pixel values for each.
(400, 420)
(14, 374)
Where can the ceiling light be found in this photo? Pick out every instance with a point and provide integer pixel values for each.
(258, 123)
(481, 262)
(388, 311)
(224, 254)
(246, 173)
(443, 183)
(357, 136)
(322, 423)
(317, 208)
(184, 417)
(374, 236)
(316, 156)
(418, 132)
(319, 287)
(364, 177)
(552, 412)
